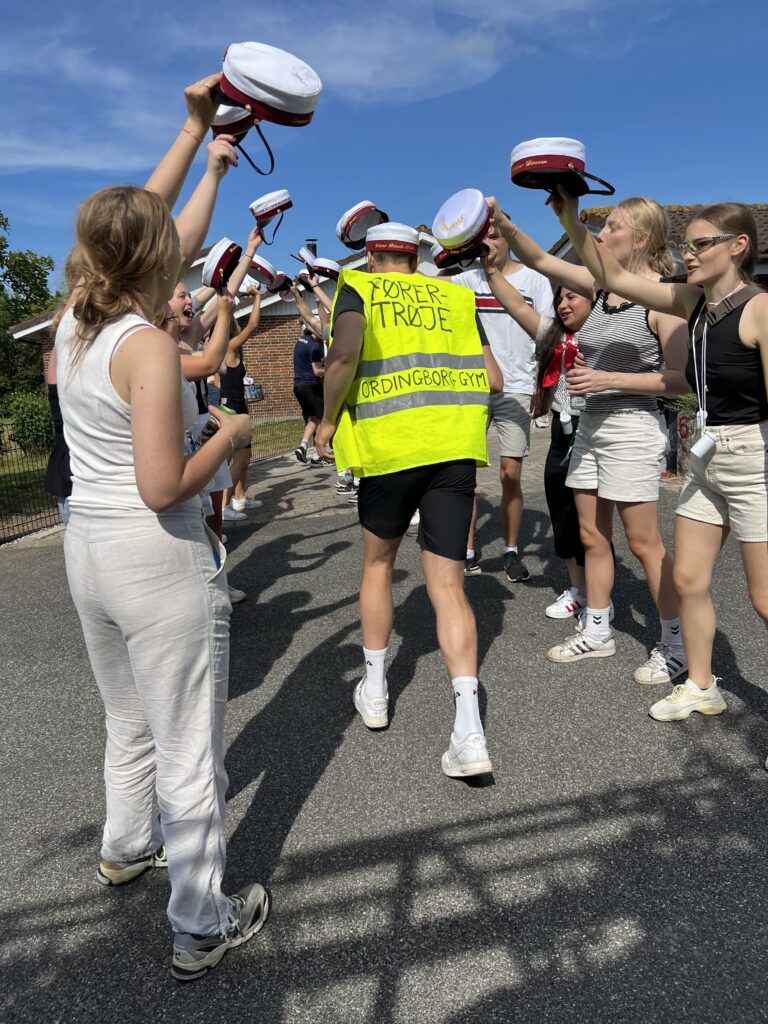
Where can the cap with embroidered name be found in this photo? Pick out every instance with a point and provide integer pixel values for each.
(220, 262)
(268, 206)
(263, 271)
(354, 224)
(270, 83)
(327, 268)
(232, 121)
(462, 222)
(392, 237)
(548, 162)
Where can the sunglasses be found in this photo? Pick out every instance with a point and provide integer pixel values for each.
(697, 245)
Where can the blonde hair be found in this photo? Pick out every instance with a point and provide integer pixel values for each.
(649, 222)
(124, 234)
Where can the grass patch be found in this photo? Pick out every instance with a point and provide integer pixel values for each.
(21, 483)
(275, 437)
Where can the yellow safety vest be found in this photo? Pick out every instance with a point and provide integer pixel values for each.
(420, 395)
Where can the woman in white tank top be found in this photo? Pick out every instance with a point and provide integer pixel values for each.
(146, 575)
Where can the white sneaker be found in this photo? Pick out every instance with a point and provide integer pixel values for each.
(374, 711)
(236, 596)
(570, 602)
(224, 538)
(582, 617)
(470, 757)
(231, 515)
(579, 646)
(687, 697)
(247, 503)
(413, 526)
(665, 664)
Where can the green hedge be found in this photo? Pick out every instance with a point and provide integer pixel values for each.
(31, 426)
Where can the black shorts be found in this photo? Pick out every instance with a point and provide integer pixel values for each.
(443, 494)
(310, 398)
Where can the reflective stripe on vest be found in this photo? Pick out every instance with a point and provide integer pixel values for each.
(420, 392)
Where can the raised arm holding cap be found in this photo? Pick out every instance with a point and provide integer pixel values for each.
(195, 219)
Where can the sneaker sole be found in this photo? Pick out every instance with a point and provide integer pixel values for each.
(679, 716)
(181, 974)
(121, 876)
(302, 457)
(473, 572)
(467, 770)
(565, 660)
(658, 681)
(518, 579)
(563, 614)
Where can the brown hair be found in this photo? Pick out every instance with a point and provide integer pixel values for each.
(649, 221)
(736, 218)
(124, 234)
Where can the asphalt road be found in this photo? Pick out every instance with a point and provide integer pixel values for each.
(614, 870)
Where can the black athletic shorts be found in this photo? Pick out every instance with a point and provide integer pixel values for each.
(443, 494)
(310, 398)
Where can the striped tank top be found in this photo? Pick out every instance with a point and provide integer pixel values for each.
(618, 339)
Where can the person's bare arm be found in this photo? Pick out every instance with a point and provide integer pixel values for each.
(306, 314)
(578, 279)
(323, 302)
(753, 329)
(512, 301)
(236, 343)
(673, 335)
(495, 376)
(677, 300)
(168, 177)
(146, 373)
(340, 368)
(238, 274)
(200, 365)
(195, 219)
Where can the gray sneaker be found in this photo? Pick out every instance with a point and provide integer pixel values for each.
(195, 955)
(113, 872)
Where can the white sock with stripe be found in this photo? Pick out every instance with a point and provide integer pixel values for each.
(597, 624)
(467, 708)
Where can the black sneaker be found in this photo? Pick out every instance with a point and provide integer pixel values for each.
(301, 454)
(472, 565)
(515, 567)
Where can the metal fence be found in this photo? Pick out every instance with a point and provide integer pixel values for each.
(26, 507)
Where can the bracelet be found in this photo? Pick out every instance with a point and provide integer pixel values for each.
(192, 134)
(231, 442)
(250, 255)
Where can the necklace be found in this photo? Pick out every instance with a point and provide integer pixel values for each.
(738, 287)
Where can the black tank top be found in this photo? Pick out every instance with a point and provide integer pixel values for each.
(232, 387)
(735, 380)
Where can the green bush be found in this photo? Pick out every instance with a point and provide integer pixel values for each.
(31, 426)
(684, 403)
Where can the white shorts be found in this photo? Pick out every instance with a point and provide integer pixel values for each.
(512, 416)
(732, 489)
(619, 454)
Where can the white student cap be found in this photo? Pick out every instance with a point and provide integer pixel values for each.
(263, 271)
(232, 121)
(327, 268)
(462, 221)
(354, 224)
(267, 207)
(282, 286)
(442, 257)
(547, 163)
(307, 257)
(270, 84)
(392, 237)
(220, 262)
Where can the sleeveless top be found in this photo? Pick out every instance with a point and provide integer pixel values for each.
(232, 388)
(735, 379)
(97, 423)
(619, 339)
(58, 478)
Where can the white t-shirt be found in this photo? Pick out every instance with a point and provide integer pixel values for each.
(513, 349)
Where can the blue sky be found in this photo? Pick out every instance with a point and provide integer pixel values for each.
(420, 98)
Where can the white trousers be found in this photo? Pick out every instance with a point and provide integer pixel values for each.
(151, 593)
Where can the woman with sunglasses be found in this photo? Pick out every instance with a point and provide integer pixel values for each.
(618, 453)
(727, 489)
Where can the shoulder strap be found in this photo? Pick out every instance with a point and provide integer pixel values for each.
(714, 316)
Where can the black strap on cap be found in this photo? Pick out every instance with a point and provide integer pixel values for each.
(270, 154)
(609, 190)
(269, 241)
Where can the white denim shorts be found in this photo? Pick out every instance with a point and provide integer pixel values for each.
(619, 454)
(512, 416)
(732, 488)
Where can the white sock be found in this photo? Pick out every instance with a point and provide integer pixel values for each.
(596, 623)
(470, 552)
(508, 549)
(670, 632)
(467, 708)
(303, 444)
(375, 683)
(704, 689)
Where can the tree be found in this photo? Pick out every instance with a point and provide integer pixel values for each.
(24, 293)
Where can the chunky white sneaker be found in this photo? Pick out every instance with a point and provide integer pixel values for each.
(664, 665)
(231, 515)
(470, 757)
(579, 646)
(374, 711)
(236, 596)
(119, 872)
(570, 602)
(686, 698)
